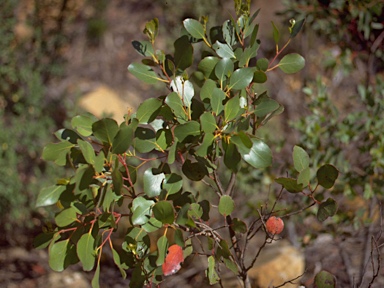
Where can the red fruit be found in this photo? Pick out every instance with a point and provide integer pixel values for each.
(274, 225)
(173, 260)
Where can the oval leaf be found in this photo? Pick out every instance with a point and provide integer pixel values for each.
(300, 159)
(105, 130)
(241, 78)
(226, 205)
(152, 183)
(324, 279)
(292, 63)
(86, 251)
(327, 175)
(144, 73)
(194, 27)
(326, 209)
(163, 211)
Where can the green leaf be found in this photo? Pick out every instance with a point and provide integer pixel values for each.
(324, 279)
(183, 57)
(224, 69)
(142, 210)
(300, 158)
(229, 33)
(195, 28)
(241, 78)
(152, 183)
(290, 184)
(208, 122)
(174, 102)
(144, 48)
(95, 280)
(144, 73)
(152, 29)
(162, 247)
(67, 134)
(327, 175)
(226, 205)
(124, 138)
(258, 156)
(195, 211)
(266, 106)
(86, 251)
(184, 88)
(304, 177)
(262, 64)
(203, 149)
(207, 66)
(173, 183)
(57, 254)
(49, 195)
(105, 130)
(148, 110)
(87, 151)
(232, 109)
(194, 170)
(57, 152)
(144, 140)
(66, 217)
(326, 209)
(291, 63)
(223, 50)
(163, 211)
(218, 96)
(276, 33)
(239, 226)
(186, 131)
(259, 77)
(297, 28)
(232, 157)
(83, 124)
(42, 240)
(212, 275)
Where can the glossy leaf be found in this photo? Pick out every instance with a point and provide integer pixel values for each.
(327, 209)
(42, 240)
(86, 251)
(67, 134)
(57, 152)
(226, 205)
(290, 184)
(194, 170)
(174, 101)
(218, 96)
(208, 122)
(327, 175)
(262, 64)
(152, 183)
(185, 131)
(224, 69)
(173, 183)
(258, 156)
(265, 107)
(49, 195)
(300, 158)
(223, 50)
(241, 78)
(162, 247)
(66, 217)
(292, 63)
(105, 130)
(144, 73)
(232, 109)
(207, 66)
(87, 151)
(229, 33)
(297, 27)
(142, 210)
(232, 157)
(144, 48)
(83, 124)
(183, 57)
(184, 88)
(148, 110)
(163, 211)
(195, 28)
(61, 255)
(124, 138)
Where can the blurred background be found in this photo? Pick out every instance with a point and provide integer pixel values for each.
(59, 58)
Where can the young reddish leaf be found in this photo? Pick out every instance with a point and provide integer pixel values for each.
(173, 260)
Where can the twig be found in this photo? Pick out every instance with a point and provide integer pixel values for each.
(290, 281)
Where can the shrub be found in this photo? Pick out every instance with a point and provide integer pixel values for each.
(162, 168)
